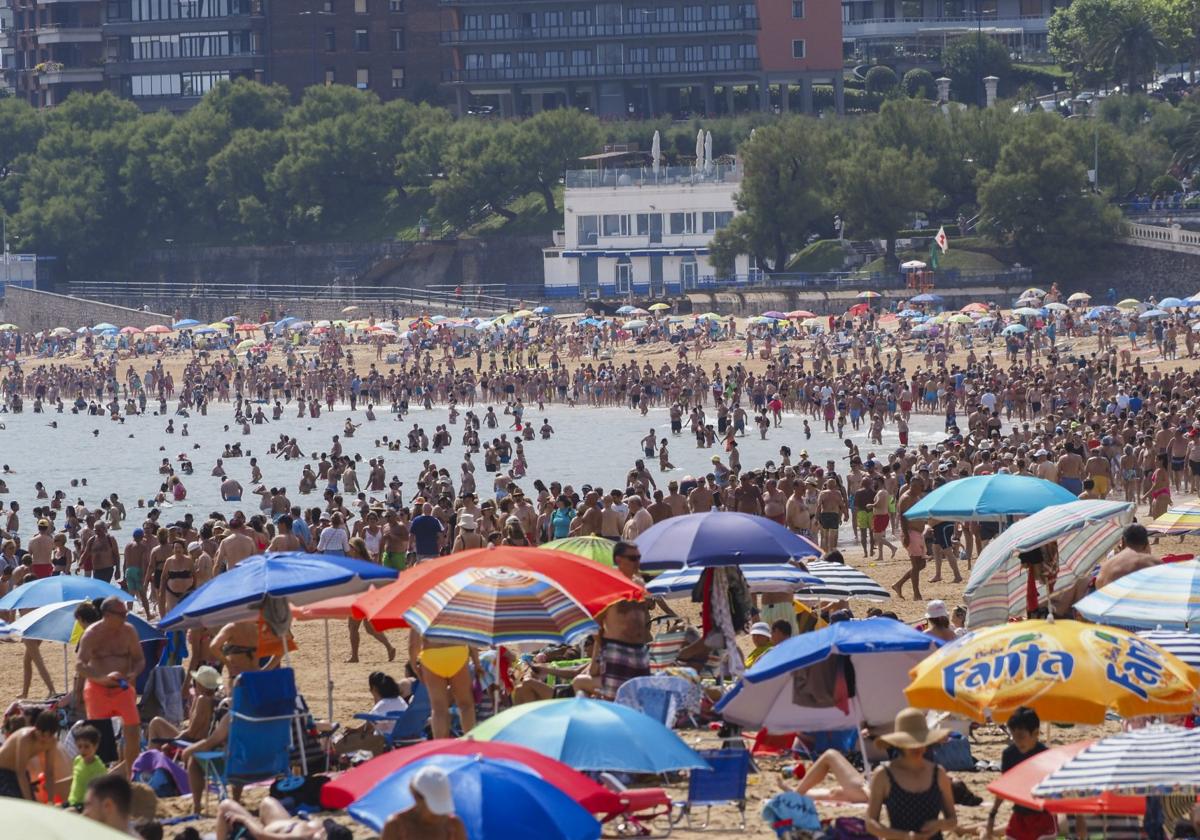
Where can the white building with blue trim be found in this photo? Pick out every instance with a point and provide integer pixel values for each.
(631, 231)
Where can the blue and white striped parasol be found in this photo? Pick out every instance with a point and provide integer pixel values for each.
(776, 577)
(1186, 646)
(1163, 597)
(1158, 760)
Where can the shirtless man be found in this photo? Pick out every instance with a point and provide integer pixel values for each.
(623, 649)
(881, 518)
(231, 490)
(41, 547)
(1070, 473)
(831, 512)
(101, 549)
(393, 546)
(284, 539)
(136, 554)
(236, 546)
(700, 499)
(1134, 555)
(1099, 469)
(677, 501)
(587, 523)
(796, 512)
(612, 517)
(110, 659)
(20, 748)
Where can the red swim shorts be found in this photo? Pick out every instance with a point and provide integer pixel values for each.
(103, 702)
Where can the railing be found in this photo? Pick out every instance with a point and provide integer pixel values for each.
(903, 25)
(604, 30)
(1166, 238)
(599, 71)
(186, 59)
(646, 177)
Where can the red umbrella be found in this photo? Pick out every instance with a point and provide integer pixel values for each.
(596, 587)
(355, 783)
(858, 309)
(336, 607)
(1016, 784)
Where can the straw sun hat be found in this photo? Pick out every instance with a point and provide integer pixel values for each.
(912, 731)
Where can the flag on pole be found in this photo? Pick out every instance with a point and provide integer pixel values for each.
(942, 240)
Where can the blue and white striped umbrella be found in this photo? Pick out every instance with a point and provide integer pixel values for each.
(1157, 760)
(1165, 597)
(841, 581)
(780, 577)
(1184, 645)
(1085, 530)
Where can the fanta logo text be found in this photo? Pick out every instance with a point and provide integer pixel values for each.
(1031, 661)
(1130, 664)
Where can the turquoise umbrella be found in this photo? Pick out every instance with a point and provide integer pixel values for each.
(989, 497)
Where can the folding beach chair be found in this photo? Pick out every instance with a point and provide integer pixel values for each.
(661, 697)
(645, 812)
(264, 728)
(409, 725)
(723, 784)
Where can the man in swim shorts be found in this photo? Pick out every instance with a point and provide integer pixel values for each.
(110, 658)
(393, 548)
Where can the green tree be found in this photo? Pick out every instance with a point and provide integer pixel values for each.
(881, 79)
(919, 84)
(483, 173)
(552, 142)
(968, 60)
(1038, 199)
(879, 189)
(238, 176)
(784, 193)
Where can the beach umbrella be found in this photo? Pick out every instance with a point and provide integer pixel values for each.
(720, 538)
(625, 310)
(158, 329)
(186, 323)
(599, 549)
(927, 297)
(1184, 645)
(656, 153)
(357, 782)
(986, 321)
(247, 344)
(976, 306)
(591, 735)
(219, 326)
(776, 577)
(839, 580)
(859, 309)
(55, 590)
(708, 151)
(1166, 596)
(796, 314)
(499, 606)
(8, 327)
(247, 328)
(589, 583)
(700, 148)
(1172, 303)
(775, 315)
(346, 310)
(1151, 314)
(543, 310)
(635, 324)
(7, 633)
(1057, 307)
(961, 319)
(710, 316)
(1156, 760)
(129, 330)
(301, 578)
(868, 295)
(1129, 304)
(1027, 312)
(912, 265)
(104, 326)
(205, 331)
(659, 307)
(880, 651)
(1015, 329)
(1033, 291)
(493, 799)
(1066, 671)
(60, 332)
(989, 497)
(1079, 297)
(1018, 783)
(230, 319)
(910, 313)
(1084, 531)
(39, 822)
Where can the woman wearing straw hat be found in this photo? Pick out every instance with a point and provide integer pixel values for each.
(916, 792)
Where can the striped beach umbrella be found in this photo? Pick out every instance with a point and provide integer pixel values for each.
(1157, 760)
(1163, 597)
(494, 606)
(1184, 645)
(1179, 519)
(780, 577)
(589, 547)
(841, 581)
(1084, 530)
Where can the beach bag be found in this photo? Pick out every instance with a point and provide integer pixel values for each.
(298, 793)
(954, 754)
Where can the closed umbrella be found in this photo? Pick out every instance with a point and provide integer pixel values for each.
(591, 735)
(781, 577)
(1157, 760)
(656, 152)
(55, 590)
(1083, 530)
(1165, 596)
(720, 538)
(499, 606)
(708, 151)
(989, 498)
(700, 148)
(1066, 671)
(493, 799)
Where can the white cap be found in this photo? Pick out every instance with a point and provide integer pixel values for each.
(433, 785)
(760, 628)
(936, 609)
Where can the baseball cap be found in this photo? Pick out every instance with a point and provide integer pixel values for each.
(208, 677)
(760, 628)
(433, 785)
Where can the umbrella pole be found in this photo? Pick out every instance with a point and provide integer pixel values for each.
(328, 671)
(66, 674)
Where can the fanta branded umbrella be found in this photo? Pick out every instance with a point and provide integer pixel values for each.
(1067, 671)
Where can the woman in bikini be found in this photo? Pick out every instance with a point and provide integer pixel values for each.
(178, 578)
(1159, 493)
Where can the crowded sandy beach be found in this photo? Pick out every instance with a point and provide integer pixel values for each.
(846, 572)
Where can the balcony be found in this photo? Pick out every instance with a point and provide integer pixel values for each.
(934, 26)
(590, 32)
(55, 74)
(173, 26)
(62, 2)
(185, 64)
(615, 177)
(583, 72)
(54, 33)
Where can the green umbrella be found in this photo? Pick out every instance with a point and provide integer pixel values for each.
(599, 549)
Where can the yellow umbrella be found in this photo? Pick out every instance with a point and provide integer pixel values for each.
(961, 319)
(522, 313)
(219, 325)
(1129, 303)
(1067, 671)
(48, 823)
(659, 307)
(248, 343)
(1183, 518)
(8, 327)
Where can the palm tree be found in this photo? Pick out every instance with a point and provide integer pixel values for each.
(1130, 46)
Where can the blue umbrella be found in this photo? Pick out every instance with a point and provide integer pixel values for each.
(927, 297)
(1172, 303)
(302, 578)
(879, 649)
(720, 538)
(989, 497)
(56, 623)
(185, 323)
(625, 310)
(55, 590)
(1098, 312)
(909, 313)
(104, 326)
(283, 323)
(591, 735)
(1015, 329)
(206, 331)
(1152, 313)
(782, 577)
(543, 310)
(493, 798)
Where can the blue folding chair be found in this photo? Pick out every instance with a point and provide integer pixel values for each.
(409, 725)
(661, 697)
(723, 784)
(264, 727)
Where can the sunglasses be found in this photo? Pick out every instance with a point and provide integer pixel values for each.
(635, 558)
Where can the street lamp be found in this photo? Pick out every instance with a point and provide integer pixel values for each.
(312, 14)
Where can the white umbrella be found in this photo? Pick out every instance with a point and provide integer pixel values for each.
(708, 164)
(656, 152)
(912, 264)
(1156, 760)
(699, 148)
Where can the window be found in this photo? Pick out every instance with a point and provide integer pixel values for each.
(330, 40)
(330, 76)
(748, 11)
(712, 221)
(624, 276)
(498, 21)
(362, 78)
(643, 223)
(616, 225)
(501, 61)
(327, 6)
(581, 57)
(588, 229)
(146, 10)
(1031, 8)
(397, 78)
(682, 223)
(722, 52)
(472, 22)
(554, 58)
(688, 272)
(362, 40)
(693, 53)
(398, 40)
(747, 50)
(664, 14)
(581, 17)
(198, 84)
(553, 18)
(798, 9)
(798, 49)
(360, 7)
(639, 14)
(693, 13)
(395, 5)
(163, 84)
(527, 59)
(720, 12)
(638, 55)
(664, 54)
